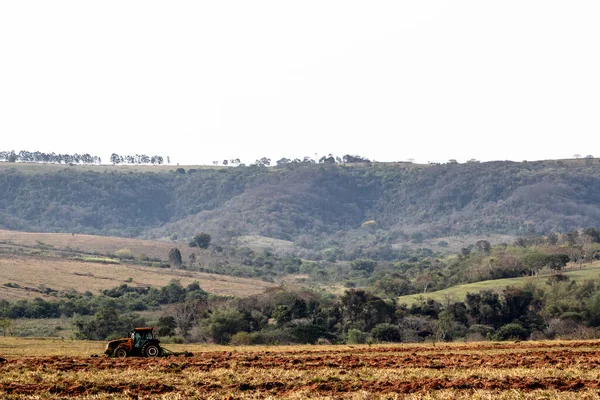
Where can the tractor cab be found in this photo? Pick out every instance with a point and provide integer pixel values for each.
(139, 336)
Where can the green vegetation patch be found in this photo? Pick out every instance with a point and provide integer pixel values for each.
(459, 292)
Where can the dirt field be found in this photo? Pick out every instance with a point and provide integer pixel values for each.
(528, 370)
(30, 273)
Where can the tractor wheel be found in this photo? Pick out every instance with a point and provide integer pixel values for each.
(121, 352)
(151, 351)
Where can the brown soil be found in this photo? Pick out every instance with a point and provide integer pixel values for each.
(345, 361)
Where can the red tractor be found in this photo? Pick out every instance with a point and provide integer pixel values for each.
(141, 343)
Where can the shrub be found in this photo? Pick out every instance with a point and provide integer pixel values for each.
(511, 332)
(417, 237)
(178, 339)
(483, 330)
(241, 339)
(356, 336)
(124, 254)
(141, 257)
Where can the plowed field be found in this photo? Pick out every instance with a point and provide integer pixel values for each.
(536, 370)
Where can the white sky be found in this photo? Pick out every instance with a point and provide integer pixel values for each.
(390, 80)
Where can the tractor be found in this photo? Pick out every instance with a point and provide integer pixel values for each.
(141, 343)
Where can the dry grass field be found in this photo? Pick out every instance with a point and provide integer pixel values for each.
(91, 244)
(35, 368)
(31, 273)
(30, 263)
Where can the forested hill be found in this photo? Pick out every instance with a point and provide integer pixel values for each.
(294, 202)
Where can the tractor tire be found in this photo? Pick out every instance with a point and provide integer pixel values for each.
(121, 353)
(151, 350)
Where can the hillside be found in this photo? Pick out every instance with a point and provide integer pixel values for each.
(459, 292)
(310, 205)
(100, 245)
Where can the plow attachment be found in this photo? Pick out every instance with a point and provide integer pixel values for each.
(169, 353)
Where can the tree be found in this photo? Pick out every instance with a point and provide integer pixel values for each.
(327, 159)
(348, 159)
(393, 285)
(386, 333)
(201, 240)
(107, 322)
(225, 162)
(167, 325)
(425, 281)
(263, 162)
(364, 265)
(534, 261)
(576, 254)
(115, 159)
(309, 333)
(593, 233)
(587, 242)
(192, 258)
(356, 336)
(516, 303)
(485, 307)
(593, 309)
(483, 246)
(417, 237)
(552, 238)
(362, 310)
(442, 327)
(557, 261)
(12, 157)
(175, 257)
(6, 326)
(187, 313)
(224, 323)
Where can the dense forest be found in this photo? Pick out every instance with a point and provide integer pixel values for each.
(307, 203)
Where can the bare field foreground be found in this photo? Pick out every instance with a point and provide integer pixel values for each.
(26, 274)
(35, 368)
